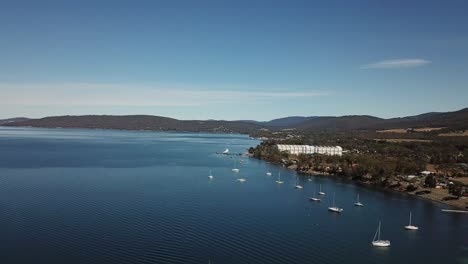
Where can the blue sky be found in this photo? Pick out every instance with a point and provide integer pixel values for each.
(232, 59)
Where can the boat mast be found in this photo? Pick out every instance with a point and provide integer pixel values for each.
(378, 237)
(410, 218)
(375, 235)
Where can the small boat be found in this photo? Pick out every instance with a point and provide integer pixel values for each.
(279, 181)
(411, 227)
(241, 179)
(358, 203)
(298, 186)
(377, 242)
(236, 170)
(309, 179)
(268, 173)
(320, 191)
(334, 208)
(226, 151)
(210, 176)
(315, 199)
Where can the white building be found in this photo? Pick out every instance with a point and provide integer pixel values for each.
(306, 149)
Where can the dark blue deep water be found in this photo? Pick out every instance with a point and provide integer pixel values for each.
(95, 196)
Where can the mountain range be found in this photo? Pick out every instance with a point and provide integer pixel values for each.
(451, 120)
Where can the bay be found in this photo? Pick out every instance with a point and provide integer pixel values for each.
(107, 196)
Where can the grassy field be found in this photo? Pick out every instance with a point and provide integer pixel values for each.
(404, 130)
(400, 140)
(455, 134)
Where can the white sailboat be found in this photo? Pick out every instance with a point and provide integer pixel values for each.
(411, 227)
(298, 186)
(377, 242)
(334, 208)
(320, 191)
(358, 203)
(313, 198)
(236, 170)
(210, 176)
(279, 181)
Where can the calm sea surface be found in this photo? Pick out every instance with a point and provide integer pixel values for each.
(95, 196)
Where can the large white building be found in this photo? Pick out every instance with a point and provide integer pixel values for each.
(306, 149)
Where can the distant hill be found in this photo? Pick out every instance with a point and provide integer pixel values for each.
(355, 122)
(457, 119)
(289, 121)
(138, 122)
(10, 120)
(451, 120)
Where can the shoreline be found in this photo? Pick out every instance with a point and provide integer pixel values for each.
(459, 204)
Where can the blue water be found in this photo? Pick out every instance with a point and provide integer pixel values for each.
(97, 196)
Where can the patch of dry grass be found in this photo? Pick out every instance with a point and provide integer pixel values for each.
(405, 130)
(399, 140)
(455, 134)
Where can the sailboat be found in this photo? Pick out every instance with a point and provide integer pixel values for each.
(241, 179)
(377, 242)
(315, 199)
(333, 208)
(411, 227)
(210, 176)
(298, 186)
(358, 203)
(236, 170)
(320, 192)
(279, 181)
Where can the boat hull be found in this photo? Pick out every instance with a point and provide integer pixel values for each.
(335, 209)
(381, 243)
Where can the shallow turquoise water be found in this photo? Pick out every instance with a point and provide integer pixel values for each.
(97, 196)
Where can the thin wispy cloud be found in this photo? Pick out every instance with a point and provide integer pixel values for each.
(86, 94)
(394, 64)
